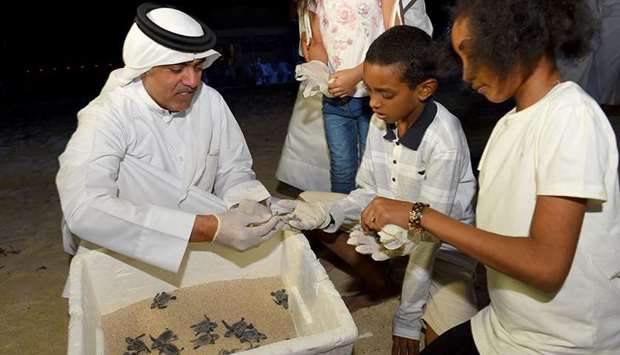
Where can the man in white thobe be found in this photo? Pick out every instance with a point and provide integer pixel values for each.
(157, 159)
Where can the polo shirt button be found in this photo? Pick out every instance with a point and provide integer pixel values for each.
(397, 143)
(394, 161)
(394, 179)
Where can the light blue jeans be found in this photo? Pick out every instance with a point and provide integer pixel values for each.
(346, 127)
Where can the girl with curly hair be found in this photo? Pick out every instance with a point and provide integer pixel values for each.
(548, 211)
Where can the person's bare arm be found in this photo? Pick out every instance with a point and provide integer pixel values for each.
(542, 259)
(389, 10)
(316, 49)
(303, 44)
(204, 228)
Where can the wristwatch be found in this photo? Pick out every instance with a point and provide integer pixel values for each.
(415, 216)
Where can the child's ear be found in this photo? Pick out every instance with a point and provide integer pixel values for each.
(426, 89)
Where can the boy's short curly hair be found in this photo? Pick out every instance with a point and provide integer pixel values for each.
(412, 50)
(506, 33)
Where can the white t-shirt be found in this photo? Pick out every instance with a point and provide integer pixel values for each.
(563, 145)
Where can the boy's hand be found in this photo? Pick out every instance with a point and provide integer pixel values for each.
(367, 244)
(342, 83)
(306, 215)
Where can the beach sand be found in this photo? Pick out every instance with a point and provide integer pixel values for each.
(222, 300)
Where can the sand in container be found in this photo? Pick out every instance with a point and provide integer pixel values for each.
(230, 301)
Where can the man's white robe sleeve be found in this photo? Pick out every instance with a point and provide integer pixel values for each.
(235, 179)
(93, 211)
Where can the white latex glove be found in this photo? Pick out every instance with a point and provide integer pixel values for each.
(280, 207)
(314, 77)
(393, 241)
(367, 243)
(267, 207)
(393, 237)
(245, 226)
(255, 208)
(306, 215)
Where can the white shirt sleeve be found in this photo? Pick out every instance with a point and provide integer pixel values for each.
(416, 290)
(572, 156)
(349, 209)
(88, 192)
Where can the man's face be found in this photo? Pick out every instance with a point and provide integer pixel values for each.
(173, 86)
(391, 99)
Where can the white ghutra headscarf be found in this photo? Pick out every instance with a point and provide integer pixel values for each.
(141, 52)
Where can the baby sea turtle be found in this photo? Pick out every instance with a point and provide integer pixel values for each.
(205, 339)
(170, 349)
(163, 339)
(205, 326)
(135, 345)
(162, 299)
(280, 298)
(251, 335)
(236, 329)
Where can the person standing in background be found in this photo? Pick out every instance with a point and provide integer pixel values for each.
(598, 73)
(304, 161)
(413, 13)
(342, 31)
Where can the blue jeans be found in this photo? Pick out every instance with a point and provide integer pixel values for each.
(346, 127)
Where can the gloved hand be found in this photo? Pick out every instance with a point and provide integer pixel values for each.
(306, 215)
(314, 77)
(281, 207)
(393, 237)
(367, 243)
(275, 210)
(255, 208)
(393, 241)
(245, 226)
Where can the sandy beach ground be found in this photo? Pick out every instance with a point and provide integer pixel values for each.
(33, 266)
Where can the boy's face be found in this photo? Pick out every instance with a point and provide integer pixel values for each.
(391, 98)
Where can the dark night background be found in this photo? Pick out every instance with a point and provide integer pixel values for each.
(62, 49)
(58, 48)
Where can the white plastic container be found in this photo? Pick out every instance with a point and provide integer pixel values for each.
(101, 282)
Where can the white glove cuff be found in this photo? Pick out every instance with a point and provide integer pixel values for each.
(217, 230)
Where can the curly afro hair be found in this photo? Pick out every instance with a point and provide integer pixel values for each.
(412, 50)
(507, 33)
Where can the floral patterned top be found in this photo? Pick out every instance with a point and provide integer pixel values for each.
(348, 27)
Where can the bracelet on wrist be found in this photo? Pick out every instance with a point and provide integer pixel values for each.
(415, 216)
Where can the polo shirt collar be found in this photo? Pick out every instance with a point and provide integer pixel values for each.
(413, 137)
